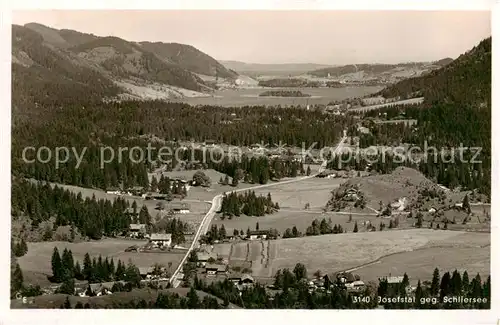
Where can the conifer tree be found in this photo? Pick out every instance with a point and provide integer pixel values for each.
(466, 204)
(24, 247)
(418, 295)
(445, 287)
(57, 267)
(87, 267)
(78, 271)
(435, 282)
(456, 283)
(16, 280)
(144, 216)
(465, 283)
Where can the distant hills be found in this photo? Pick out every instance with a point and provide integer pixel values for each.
(387, 72)
(271, 69)
(465, 80)
(48, 62)
(350, 72)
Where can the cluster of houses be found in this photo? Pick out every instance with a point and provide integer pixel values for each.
(155, 240)
(350, 282)
(97, 289)
(214, 267)
(328, 173)
(144, 193)
(159, 276)
(252, 235)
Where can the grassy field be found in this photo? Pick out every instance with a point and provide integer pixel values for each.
(38, 259)
(292, 198)
(315, 191)
(420, 264)
(284, 219)
(352, 250)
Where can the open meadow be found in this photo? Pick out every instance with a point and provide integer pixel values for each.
(196, 200)
(38, 259)
(352, 250)
(292, 199)
(284, 219)
(294, 196)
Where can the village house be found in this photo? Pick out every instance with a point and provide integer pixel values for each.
(137, 190)
(341, 278)
(161, 240)
(137, 230)
(352, 194)
(215, 269)
(146, 272)
(204, 258)
(242, 281)
(158, 196)
(355, 286)
(258, 234)
(180, 208)
(397, 280)
(98, 289)
(326, 174)
(114, 190)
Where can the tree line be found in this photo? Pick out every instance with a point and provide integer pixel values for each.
(164, 300)
(235, 204)
(317, 227)
(94, 218)
(96, 270)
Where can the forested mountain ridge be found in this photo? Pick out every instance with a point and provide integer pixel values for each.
(456, 113)
(466, 80)
(42, 74)
(48, 64)
(189, 58)
(377, 70)
(185, 56)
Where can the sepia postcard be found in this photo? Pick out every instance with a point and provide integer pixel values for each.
(230, 159)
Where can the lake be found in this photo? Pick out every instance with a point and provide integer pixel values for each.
(250, 96)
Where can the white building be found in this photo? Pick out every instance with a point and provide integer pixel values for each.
(161, 239)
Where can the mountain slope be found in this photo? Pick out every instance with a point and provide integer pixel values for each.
(55, 66)
(42, 74)
(189, 58)
(126, 60)
(466, 80)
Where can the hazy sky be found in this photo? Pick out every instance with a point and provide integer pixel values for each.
(328, 37)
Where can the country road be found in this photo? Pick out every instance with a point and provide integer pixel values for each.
(177, 276)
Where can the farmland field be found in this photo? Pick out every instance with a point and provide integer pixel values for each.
(292, 198)
(284, 219)
(315, 191)
(330, 253)
(38, 258)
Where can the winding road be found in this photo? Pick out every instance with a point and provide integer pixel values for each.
(177, 276)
